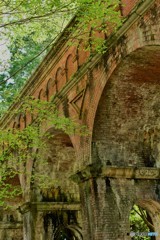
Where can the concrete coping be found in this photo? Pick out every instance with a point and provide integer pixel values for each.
(95, 171)
(49, 206)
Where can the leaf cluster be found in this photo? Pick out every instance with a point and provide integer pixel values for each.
(139, 223)
(20, 146)
(31, 28)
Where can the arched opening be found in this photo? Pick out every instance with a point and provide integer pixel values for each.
(62, 226)
(82, 54)
(14, 124)
(141, 225)
(42, 95)
(54, 166)
(55, 163)
(22, 121)
(126, 126)
(11, 187)
(60, 79)
(68, 233)
(51, 88)
(71, 66)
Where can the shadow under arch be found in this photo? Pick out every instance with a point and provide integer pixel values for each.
(68, 232)
(127, 114)
(60, 79)
(59, 224)
(70, 66)
(62, 226)
(57, 163)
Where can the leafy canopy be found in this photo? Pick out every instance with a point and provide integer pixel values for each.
(30, 28)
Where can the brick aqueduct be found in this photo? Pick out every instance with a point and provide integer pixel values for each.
(117, 95)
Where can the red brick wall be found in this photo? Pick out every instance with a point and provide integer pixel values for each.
(120, 105)
(127, 6)
(127, 115)
(106, 206)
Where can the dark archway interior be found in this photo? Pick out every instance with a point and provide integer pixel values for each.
(62, 225)
(126, 129)
(54, 167)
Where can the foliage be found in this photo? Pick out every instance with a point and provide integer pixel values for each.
(97, 16)
(18, 147)
(140, 223)
(32, 27)
(19, 56)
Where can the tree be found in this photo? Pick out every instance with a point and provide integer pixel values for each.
(17, 147)
(32, 27)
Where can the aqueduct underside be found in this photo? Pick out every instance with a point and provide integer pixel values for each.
(100, 176)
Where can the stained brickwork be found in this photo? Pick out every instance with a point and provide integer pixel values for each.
(127, 118)
(114, 167)
(127, 6)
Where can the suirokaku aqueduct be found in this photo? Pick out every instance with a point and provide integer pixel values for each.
(99, 176)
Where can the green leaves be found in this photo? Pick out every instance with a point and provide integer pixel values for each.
(140, 222)
(31, 28)
(18, 148)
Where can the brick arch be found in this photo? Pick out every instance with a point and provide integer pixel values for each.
(14, 125)
(124, 46)
(50, 88)
(153, 208)
(122, 132)
(104, 72)
(17, 121)
(13, 179)
(60, 79)
(29, 118)
(71, 231)
(139, 35)
(70, 66)
(60, 159)
(42, 94)
(61, 162)
(82, 55)
(22, 121)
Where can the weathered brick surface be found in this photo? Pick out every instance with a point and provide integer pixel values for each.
(117, 96)
(11, 225)
(127, 121)
(134, 39)
(107, 204)
(128, 5)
